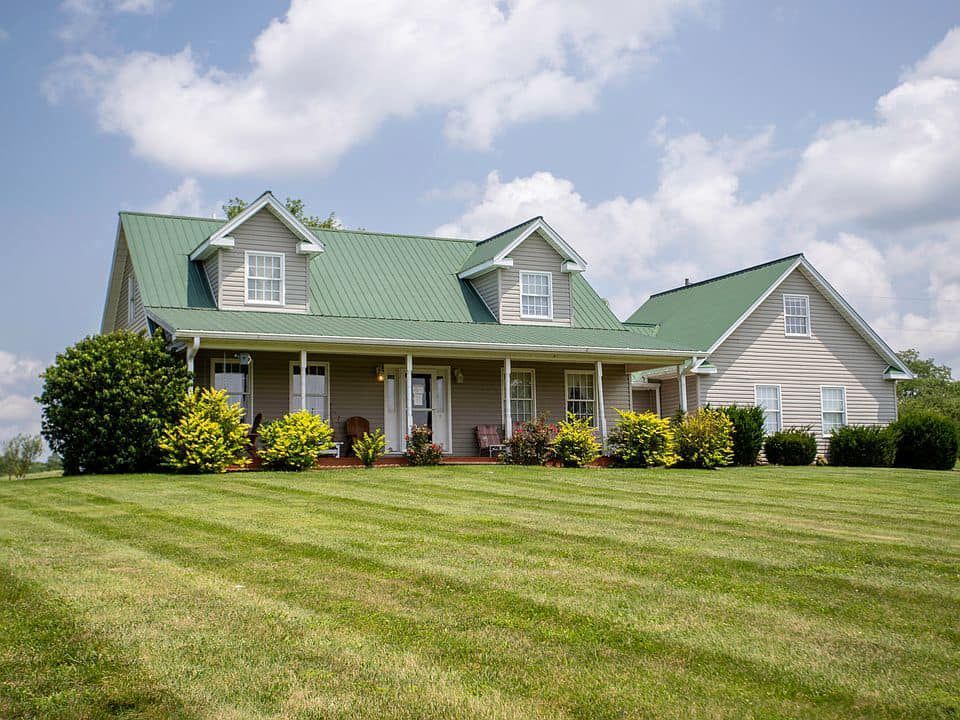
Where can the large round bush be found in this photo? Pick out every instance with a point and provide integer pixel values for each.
(295, 441)
(748, 433)
(796, 446)
(209, 436)
(705, 439)
(107, 399)
(642, 440)
(862, 446)
(926, 440)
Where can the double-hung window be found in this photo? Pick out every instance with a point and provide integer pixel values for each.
(833, 407)
(316, 387)
(796, 315)
(768, 398)
(536, 295)
(264, 278)
(234, 377)
(581, 393)
(523, 404)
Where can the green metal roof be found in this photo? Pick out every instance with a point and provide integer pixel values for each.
(697, 315)
(279, 324)
(488, 249)
(403, 286)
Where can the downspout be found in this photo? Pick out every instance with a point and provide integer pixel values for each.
(192, 351)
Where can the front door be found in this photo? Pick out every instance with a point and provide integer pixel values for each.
(430, 400)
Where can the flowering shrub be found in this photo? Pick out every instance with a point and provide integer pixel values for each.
(294, 441)
(209, 436)
(421, 450)
(642, 440)
(575, 443)
(530, 443)
(369, 447)
(705, 439)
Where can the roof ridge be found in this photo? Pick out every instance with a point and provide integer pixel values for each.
(509, 229)
(398, 235)
(172, 217)
(728, 275)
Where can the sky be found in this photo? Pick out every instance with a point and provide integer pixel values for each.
(664, 140)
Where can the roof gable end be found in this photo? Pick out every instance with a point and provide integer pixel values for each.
(494, 251)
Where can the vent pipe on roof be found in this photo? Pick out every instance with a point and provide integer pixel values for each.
(686, 281)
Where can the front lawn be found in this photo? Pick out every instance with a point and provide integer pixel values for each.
(482, 592)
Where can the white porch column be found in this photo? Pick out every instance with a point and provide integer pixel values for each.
(508, 411)
(681, 369)
(601, 413)
(409, 388)
(191, 356)
(303, 379)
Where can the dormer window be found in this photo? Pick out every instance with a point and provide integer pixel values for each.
(796, 315)
(536, 295)
(264, 278)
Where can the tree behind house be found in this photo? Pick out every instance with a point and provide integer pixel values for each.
(933, 390)
(295, 206)
(19, 454)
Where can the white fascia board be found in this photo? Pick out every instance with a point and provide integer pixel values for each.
(558, 243)
(703, 367)
(898, 376)
(571, 267)
(485, 267)
(308, 248)
(267, 200)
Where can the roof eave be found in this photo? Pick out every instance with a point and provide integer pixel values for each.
(484, 267)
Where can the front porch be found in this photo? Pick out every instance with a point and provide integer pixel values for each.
(452, 395)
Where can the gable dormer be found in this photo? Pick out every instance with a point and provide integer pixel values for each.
(260, 260)
(523, 275)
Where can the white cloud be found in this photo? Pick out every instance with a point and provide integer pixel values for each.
(326, 76)
(185, 199)
(19, 381)
(84, 19)
(17, 370)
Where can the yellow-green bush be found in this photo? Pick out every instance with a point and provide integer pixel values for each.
(369, 447)
(294, 441)
(705, 439)
(575, 443)
(209, 436)
(642, 440)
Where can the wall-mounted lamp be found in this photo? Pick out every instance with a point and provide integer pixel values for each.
(379, 373)
(244, 358)
(458, 376)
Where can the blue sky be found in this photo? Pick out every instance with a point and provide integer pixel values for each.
(680, 139)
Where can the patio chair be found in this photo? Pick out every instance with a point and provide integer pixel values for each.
(489, 439)
(355, 428)
(254, 434)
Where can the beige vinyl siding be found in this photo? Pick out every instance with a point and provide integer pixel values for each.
(488, 288)
(758, 352)
(211, 268)
(645, 400)
(263, 233)
(535, 254)
(139, 317)
(670, 395)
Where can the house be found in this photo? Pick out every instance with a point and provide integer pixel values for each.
(404, 330)
(777, 335)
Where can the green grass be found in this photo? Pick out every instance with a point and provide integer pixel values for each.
(482, 592)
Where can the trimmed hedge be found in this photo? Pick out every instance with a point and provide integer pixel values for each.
(748, 433)
(862, 446)
(926, 440)
(796, 446)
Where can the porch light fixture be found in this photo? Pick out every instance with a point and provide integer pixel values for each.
(379, 373)
(458, 376)
(244, 358)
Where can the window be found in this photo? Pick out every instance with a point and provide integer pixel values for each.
(523, 404)
(768, 398)
(833, 407)
(264, 278)
(131, 299)
(316, 385)
(234, 377)
(535, 295)
(581, 393)
(796, 315)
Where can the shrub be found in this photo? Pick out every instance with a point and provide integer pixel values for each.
(421, 450)
(748, 433)
(704, 439)
(575, 443)
(294, 441)
(19, 454)
(862, 446)
(530, 442)
(209, 436)
(370, 447)
(926, 440)
(642, 440)
(796, 446)
(107, 400)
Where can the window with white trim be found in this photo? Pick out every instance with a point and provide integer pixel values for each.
(768, 398)
(581, 391)
(833, 407)
(264, 278)
(523, 403)
(234, 377)
(317, 387)
(536, 295)
(796, 315)
(131, 299)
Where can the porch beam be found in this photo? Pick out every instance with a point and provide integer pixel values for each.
(303, 379)
(507, 410)
(192, 351)
(409, 393)
(601, 412)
